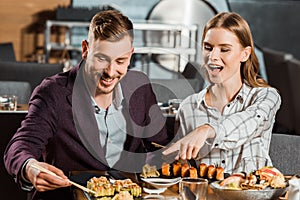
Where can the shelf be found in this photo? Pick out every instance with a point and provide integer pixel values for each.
(175, 39)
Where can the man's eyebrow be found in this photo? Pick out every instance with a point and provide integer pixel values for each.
(101, 55)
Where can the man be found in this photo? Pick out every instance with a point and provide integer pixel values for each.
(97, 116)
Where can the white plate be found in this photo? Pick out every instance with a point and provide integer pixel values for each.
(232, 194)
(162, 182)
(154, 191)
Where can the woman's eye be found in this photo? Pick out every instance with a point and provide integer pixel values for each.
(207, 48)
(225, 50)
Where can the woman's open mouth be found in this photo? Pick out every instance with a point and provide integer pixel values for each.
(215, 69)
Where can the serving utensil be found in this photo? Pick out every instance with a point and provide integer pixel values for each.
(42, 169)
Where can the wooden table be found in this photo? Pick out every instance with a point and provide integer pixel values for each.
(21, 108)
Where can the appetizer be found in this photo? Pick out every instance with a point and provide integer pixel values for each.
(258, 180)
(101, 186)
(178, 169)
(149, 171)
(105, 190)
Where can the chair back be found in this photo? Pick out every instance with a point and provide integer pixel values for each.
(7, 52)
(294, 74)
(20, 89)
(284, 153)
(30, 72)
(166, 89)
(277, 71)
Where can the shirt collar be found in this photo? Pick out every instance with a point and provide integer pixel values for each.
(240, 97)
(117, 97)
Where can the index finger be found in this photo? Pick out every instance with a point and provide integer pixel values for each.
(174, 148)
(55, 170)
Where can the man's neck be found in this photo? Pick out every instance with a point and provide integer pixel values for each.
(104, 100)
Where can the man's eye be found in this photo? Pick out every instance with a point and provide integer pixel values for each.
(101, 59)
(120, 62)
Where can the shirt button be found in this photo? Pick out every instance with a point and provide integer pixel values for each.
(228, 105)
(258, 116)
(216, 145)
(223, 161)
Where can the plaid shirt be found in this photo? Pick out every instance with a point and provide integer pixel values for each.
(243, 129)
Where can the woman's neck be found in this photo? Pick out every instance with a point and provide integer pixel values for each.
(219, 95)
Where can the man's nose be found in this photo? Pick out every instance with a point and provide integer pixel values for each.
(110, 68)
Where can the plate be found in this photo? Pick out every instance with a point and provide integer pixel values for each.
(232, 194)
(154, 191)
(90, 197)
(161, 182)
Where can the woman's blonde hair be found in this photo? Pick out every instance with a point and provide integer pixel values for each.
(234, 23)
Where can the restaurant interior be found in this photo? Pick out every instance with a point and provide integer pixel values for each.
(39, 38)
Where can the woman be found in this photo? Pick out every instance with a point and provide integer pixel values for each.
(233, 117)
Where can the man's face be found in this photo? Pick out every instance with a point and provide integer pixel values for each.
(107, 63)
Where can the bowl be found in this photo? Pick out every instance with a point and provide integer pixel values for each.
(233, 194)
(161, 182)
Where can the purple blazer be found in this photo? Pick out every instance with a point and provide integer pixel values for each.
(68, 138)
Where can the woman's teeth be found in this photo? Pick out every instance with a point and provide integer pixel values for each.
(213, 67)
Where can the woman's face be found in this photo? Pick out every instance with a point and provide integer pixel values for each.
(107, 63)
(222, 55)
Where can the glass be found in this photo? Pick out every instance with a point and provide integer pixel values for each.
(193, 188)
(174, 105)
(8, 102)
(251, 164)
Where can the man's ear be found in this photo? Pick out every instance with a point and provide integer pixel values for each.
(246, 54)
(84, 49)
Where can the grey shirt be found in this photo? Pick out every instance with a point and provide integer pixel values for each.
(112, 126)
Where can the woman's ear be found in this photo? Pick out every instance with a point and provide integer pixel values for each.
(84, 49)
(246, 54)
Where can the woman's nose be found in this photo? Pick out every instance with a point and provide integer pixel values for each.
(214, 54)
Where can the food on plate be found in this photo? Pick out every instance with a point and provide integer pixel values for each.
(101, 186)
(257, 180)
(104, 188)
(203, 170)
(211, 171)
(166, 169)
(271, 175)
(234, 181)
(149, 171)
(123, 195)
(127, 185)
(219, 173)
(193, 172)
(177, 169)
(185, 170)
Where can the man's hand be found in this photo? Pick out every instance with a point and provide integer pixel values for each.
(189, 146)
(43, 181)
